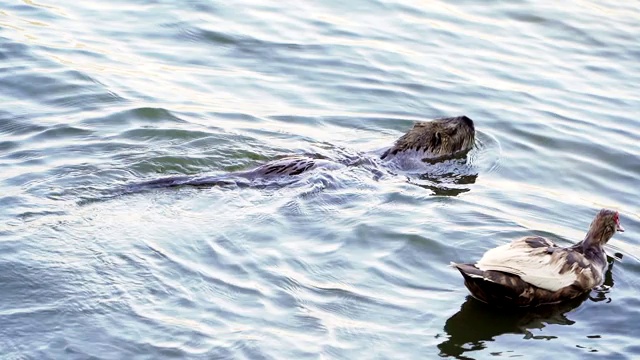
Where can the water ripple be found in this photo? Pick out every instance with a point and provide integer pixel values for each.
(335, 264)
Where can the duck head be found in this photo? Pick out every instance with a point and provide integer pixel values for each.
(603, 226)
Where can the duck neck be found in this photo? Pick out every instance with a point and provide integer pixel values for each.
(595, 239)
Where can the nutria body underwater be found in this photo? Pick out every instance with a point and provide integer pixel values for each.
(427, 141)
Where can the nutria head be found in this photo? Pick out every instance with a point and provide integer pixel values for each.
(437, 138)
(603, 226)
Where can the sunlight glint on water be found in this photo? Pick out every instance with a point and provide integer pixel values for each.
(344, 262)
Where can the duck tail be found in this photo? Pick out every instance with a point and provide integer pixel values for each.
(493, 287)
(468, 271)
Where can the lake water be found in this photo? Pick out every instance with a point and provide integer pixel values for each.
(341, 264)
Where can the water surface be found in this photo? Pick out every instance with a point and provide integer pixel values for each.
(342, 264)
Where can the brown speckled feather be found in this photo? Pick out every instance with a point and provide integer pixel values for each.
(533, 270)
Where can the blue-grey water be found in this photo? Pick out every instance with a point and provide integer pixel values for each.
(342, 264)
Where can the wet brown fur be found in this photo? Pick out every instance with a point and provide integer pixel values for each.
(437, 138)
(294, 165)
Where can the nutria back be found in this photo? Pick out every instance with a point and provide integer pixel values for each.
(289, 166)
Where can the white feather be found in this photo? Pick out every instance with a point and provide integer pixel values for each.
(533, 265)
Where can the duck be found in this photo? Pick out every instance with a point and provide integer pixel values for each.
(534, 271)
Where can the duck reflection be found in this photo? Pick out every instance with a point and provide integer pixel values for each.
(476, 323)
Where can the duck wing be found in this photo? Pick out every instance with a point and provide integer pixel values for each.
(537, 261)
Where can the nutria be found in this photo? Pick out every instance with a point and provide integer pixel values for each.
(430, 141)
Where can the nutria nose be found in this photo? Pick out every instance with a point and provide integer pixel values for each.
(467, 121)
